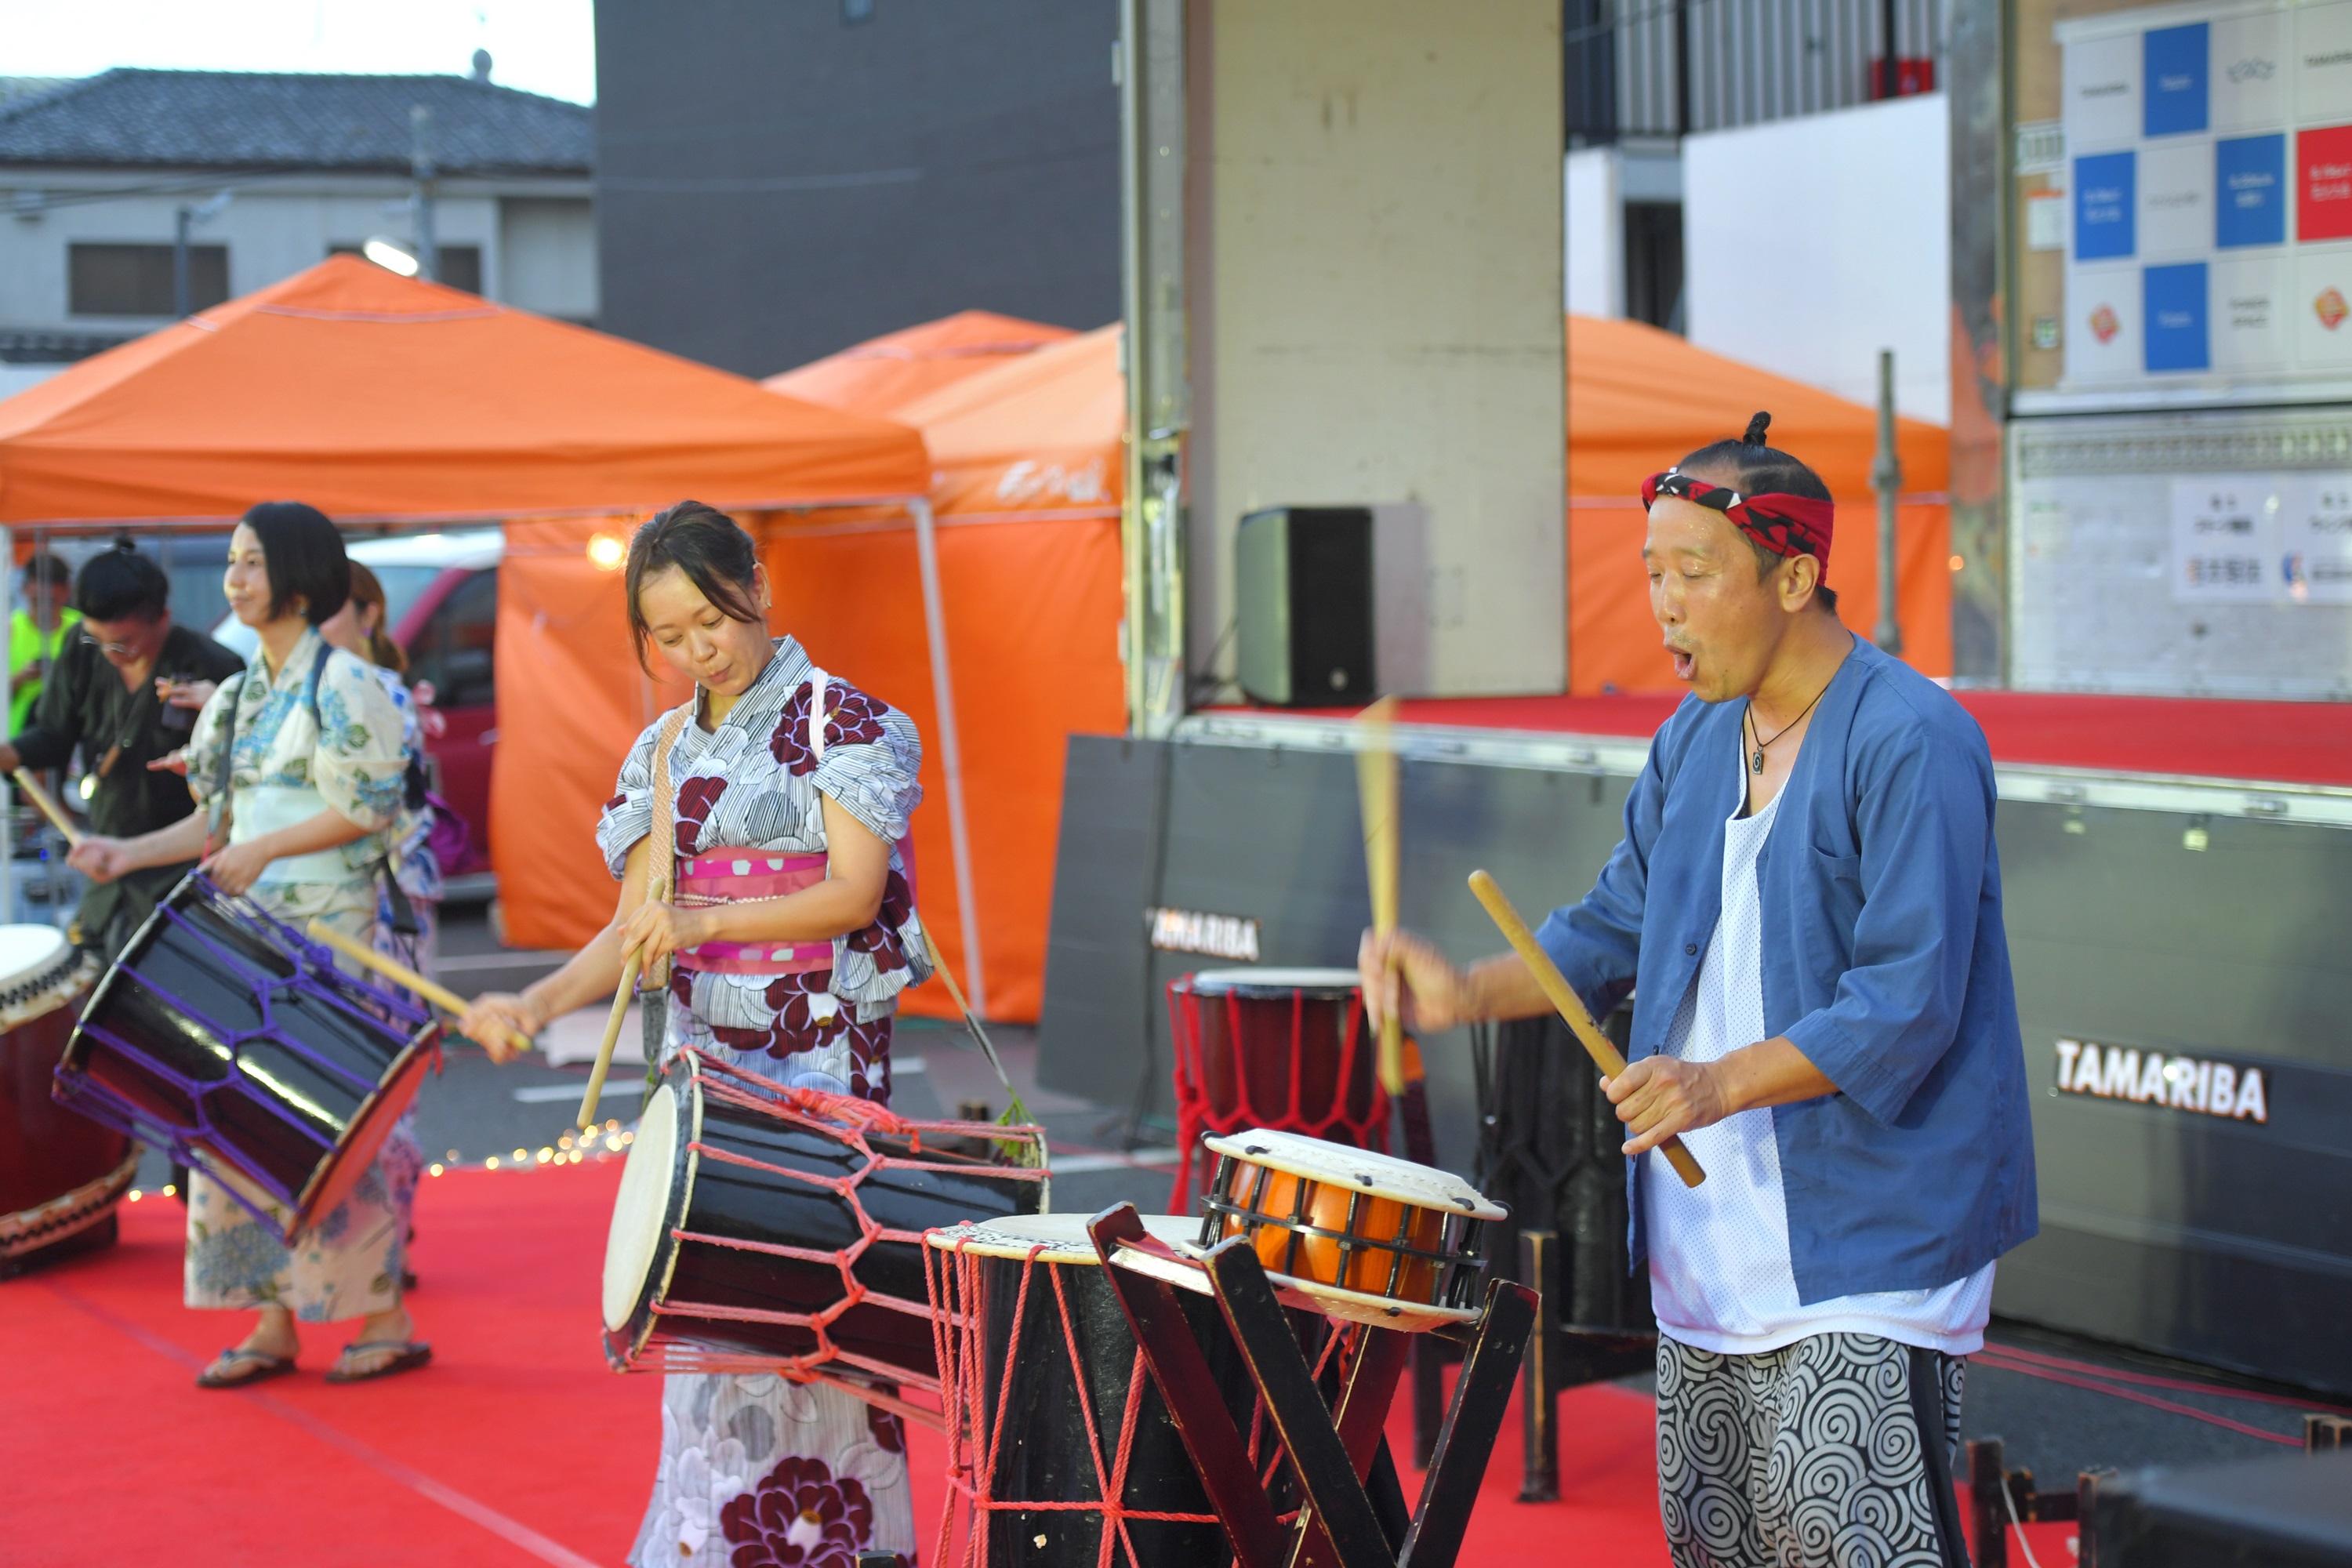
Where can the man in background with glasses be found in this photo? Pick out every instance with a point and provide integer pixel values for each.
(108, 692)
(37, 632)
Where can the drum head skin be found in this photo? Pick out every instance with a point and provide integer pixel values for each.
(39, 972)
(1062, 1237)
(1273, 983)
(1359, 1170)
(643, 1213)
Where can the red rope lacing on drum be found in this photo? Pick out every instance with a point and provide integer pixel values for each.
(853, 1121)
(1197, 1112)
(953, 1278)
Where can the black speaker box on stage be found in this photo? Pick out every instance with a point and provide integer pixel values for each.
(1303, 599)
(2294, 1512)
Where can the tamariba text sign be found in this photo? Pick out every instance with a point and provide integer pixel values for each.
(2153, 1078)
(1218, 936)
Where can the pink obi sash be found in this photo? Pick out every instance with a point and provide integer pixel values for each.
(741, 876)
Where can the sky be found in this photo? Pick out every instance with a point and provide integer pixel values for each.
(540, 46)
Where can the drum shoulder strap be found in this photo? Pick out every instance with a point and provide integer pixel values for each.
(661, 856)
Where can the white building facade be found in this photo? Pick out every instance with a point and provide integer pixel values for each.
(277, 173)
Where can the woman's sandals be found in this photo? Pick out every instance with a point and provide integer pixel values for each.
(409, 1354)
(224, 1372)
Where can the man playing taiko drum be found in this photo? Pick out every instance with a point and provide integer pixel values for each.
(1823, 1012)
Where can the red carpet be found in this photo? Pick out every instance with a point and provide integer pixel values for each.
(2285, 743)
(514, 1446)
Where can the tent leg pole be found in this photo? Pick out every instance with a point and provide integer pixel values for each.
(935, 628)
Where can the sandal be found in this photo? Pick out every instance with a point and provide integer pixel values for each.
(411, 1354)
(265, 1366)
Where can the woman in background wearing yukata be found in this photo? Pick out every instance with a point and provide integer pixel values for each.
(783, 759)
(358, 628)
(313, 787)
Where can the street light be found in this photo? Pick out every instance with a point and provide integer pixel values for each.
(186, 219)
(388, 255)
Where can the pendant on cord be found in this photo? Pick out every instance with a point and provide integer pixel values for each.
(1756, 763)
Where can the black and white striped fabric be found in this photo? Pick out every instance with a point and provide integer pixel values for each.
(1833, 1452)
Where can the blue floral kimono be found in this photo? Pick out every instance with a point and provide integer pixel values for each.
(286, 763)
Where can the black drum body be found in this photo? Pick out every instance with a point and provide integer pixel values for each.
(225, 1037)
(1045, 1455)
(745, 1218)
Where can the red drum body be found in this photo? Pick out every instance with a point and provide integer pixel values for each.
(60, 1174)
(1288, 1048)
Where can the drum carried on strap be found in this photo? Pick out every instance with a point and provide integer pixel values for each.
(225, 1036)
(761, 1228)
(60, 1175)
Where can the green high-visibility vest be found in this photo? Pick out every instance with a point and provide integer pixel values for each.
(25, 644)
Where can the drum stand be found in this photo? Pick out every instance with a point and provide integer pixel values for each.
(1333, 1456)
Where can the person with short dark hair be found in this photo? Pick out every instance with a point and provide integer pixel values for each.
(753, 832)
(36, 631)
(1806, 907)
(109, 694)
(302, 752)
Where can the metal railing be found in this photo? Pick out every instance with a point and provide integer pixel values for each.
(1668, 68)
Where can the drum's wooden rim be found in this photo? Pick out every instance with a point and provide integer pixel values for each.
(1055, 1237)
(1313, 1295)
(1356, 1170)
(1272, 984)
(41, 989)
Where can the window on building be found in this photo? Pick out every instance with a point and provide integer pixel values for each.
(1654, 263)
(460, 265)
(136, 279)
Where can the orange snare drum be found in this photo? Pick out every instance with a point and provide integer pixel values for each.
(1365, 1237)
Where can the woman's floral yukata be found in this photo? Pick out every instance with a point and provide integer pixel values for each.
(285, 762)
(756, 1469)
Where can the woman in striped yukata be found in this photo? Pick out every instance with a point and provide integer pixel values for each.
(792, 934)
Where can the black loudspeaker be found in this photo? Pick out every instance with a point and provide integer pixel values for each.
(2293, 1511)
(1303, 590)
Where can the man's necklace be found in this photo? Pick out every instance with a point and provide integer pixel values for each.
(1756, 758)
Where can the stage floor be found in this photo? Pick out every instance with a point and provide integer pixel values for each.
(2285, 743)
(515, 1446)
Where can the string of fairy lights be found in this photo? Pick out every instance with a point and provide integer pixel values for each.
(608, 1142)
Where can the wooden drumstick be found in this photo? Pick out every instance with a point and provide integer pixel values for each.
(440, 995)
(1376, 795)
(621, 995)
(1572, 1007)
(47, 807)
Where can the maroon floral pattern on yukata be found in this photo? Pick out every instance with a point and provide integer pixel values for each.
(799, 1516)
(696, 796)
(889, 1431)
(881, 939)
(856, 721)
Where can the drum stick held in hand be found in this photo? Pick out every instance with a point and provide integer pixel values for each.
(391, 969)
(1571, 1008)
(1376, 795)
(47, 807)
(621, 994)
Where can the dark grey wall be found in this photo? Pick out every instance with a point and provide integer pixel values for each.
(2223, 1241)
(775, 184)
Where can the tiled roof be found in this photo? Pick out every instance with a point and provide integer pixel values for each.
(241, 120)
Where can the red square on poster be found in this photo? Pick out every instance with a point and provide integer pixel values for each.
(2322, 192)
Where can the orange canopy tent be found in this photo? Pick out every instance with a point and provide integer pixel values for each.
(1025, 465)
(1639, 399)
(882, 375)
(379, 398)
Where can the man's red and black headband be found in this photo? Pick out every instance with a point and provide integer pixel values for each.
(1783, 524)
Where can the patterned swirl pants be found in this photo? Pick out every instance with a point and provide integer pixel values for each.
(1833, 1452)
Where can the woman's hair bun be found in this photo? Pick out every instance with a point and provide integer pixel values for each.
(1756, 428)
